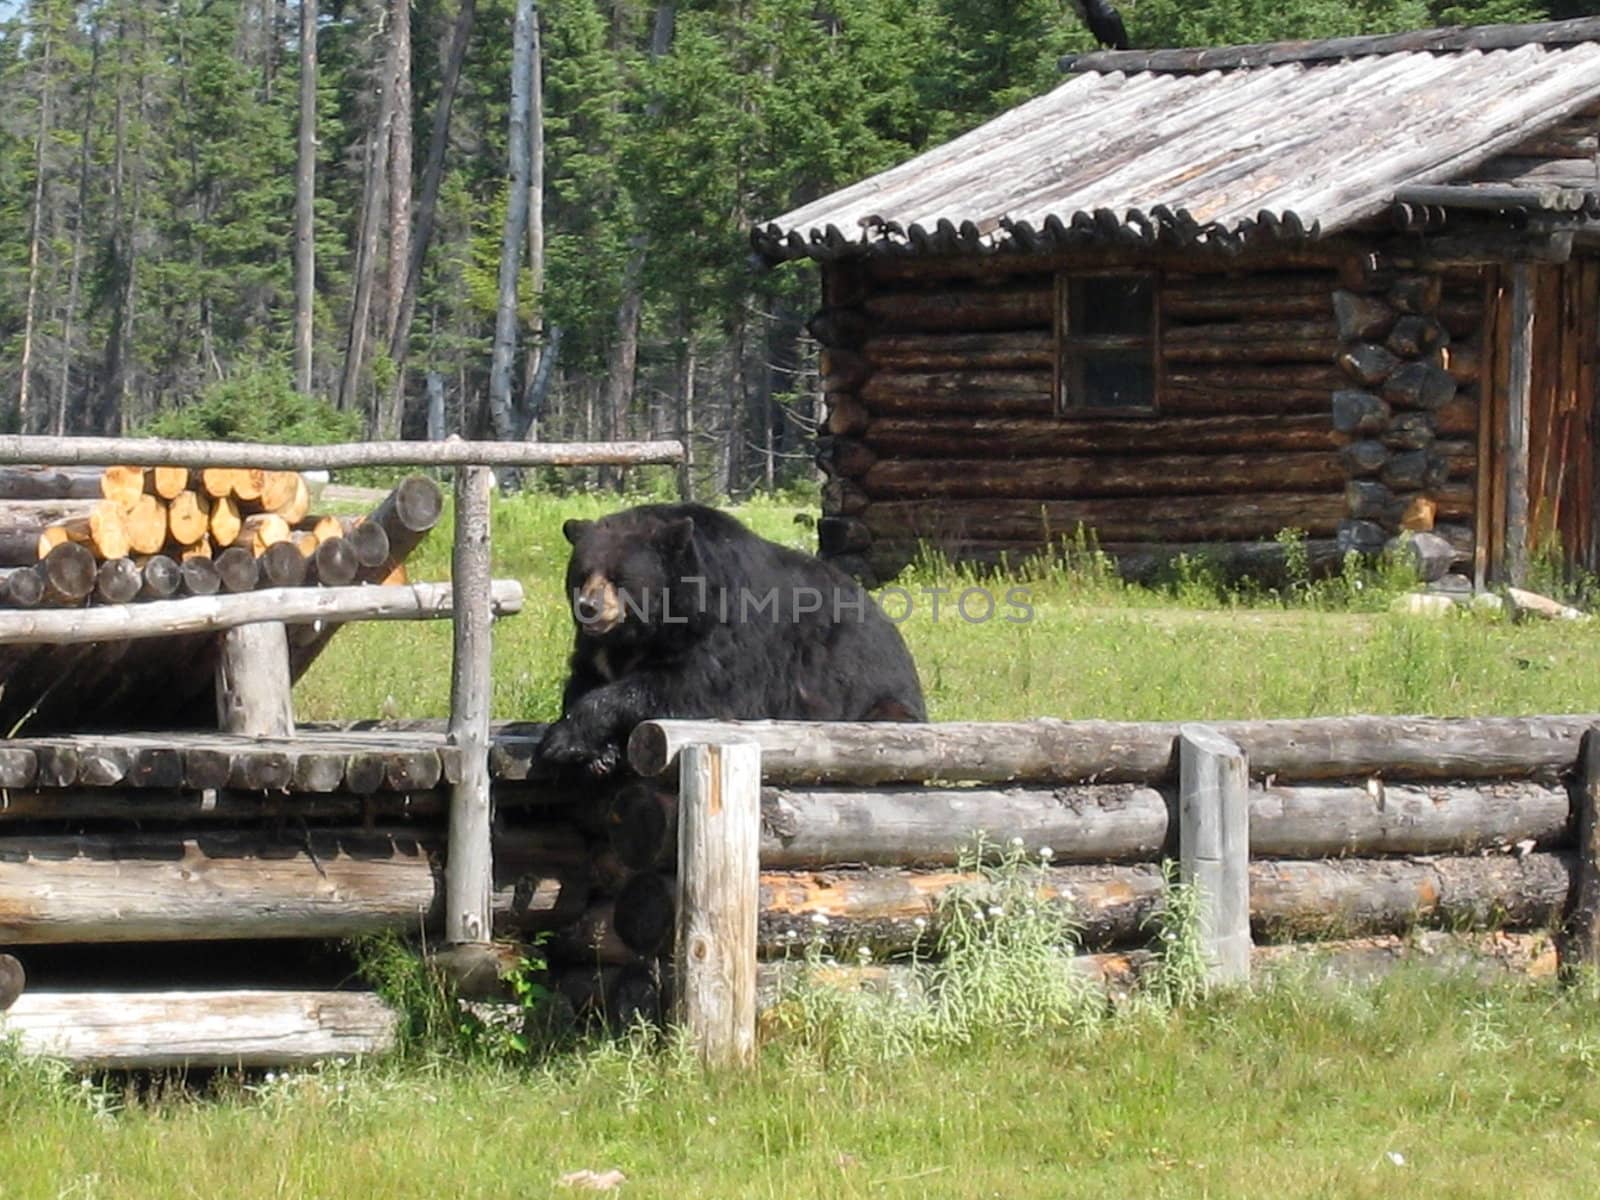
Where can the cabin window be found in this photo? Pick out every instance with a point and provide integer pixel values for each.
(1107, 334)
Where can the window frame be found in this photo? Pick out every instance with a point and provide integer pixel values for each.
(1067, 344)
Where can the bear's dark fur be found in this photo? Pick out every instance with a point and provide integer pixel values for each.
(683, 612)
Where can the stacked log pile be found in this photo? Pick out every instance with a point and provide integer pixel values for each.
(943, 425)
(257, 532)
(1411, 351)
(158, 532)
(1358, 828)
(168, 840)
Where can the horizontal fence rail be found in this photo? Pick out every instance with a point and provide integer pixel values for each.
(164, 452)
(1313, 748)
(286, 606)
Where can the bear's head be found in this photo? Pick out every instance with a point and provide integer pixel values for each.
(633, 575)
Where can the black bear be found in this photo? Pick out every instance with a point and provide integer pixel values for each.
(683, 612)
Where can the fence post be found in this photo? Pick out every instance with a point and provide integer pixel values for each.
(1579, 944)
(1214, 846)
(469, 860)
(253, 685)
(719, 836)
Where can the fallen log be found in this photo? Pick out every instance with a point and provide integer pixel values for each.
(316, 883)
(1315, 748)
(212, 1028)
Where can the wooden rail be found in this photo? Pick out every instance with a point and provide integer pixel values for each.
(163, 452)
(283, 606)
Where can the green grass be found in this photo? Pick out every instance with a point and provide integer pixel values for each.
(1482, 1091)
(1420, 1084)
(1093, 648)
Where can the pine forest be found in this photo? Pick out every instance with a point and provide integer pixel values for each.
(315, 219)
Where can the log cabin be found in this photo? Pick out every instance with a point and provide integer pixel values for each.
(1191, 298)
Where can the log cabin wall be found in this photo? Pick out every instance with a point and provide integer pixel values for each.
(943, 423)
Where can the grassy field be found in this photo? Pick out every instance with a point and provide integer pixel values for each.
(1092, 648)
(1448, 1086)
(1414, 1087)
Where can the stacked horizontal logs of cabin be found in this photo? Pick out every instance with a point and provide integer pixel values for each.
(1359, 828)
(1411, 351)
(941, 421)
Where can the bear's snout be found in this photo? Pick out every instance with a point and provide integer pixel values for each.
(597, 606)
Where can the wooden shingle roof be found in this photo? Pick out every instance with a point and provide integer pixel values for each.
(1220, 146)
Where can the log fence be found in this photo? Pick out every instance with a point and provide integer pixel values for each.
(1347, 830)
(188, 883)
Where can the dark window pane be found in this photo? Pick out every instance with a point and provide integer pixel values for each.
(1102, 304)
(1108, 380)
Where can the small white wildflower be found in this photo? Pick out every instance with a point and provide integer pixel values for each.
(86, 1083)
(996, 911)
(864, 953)
(1046, 853)
(711, 1119)
(1016, 843)
(819, 920)
(272, 1077)
(920, 922)
(1397, 1158)
(789, 935)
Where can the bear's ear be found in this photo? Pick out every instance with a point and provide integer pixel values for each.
(574, 530)
(678, 536)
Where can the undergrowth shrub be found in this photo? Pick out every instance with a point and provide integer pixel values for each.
(1000, 965)
(256, 405)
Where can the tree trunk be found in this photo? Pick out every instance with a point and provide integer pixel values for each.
(533, 392)
(305, 200)
(75, 274)
(36, 234)
(391, 406)
(624, 353)
(371, 225)
(686, 414)
(432, 175)
(516, 218)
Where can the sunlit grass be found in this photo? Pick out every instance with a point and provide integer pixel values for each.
(1413, 1086)
(1092, 648)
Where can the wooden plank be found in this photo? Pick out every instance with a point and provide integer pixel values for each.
(1484, 563)
(157, 452)
(298, 606)
(1519, 385)
(718, 899)
(470, 869)
(1214, 847)
(222, 1028)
